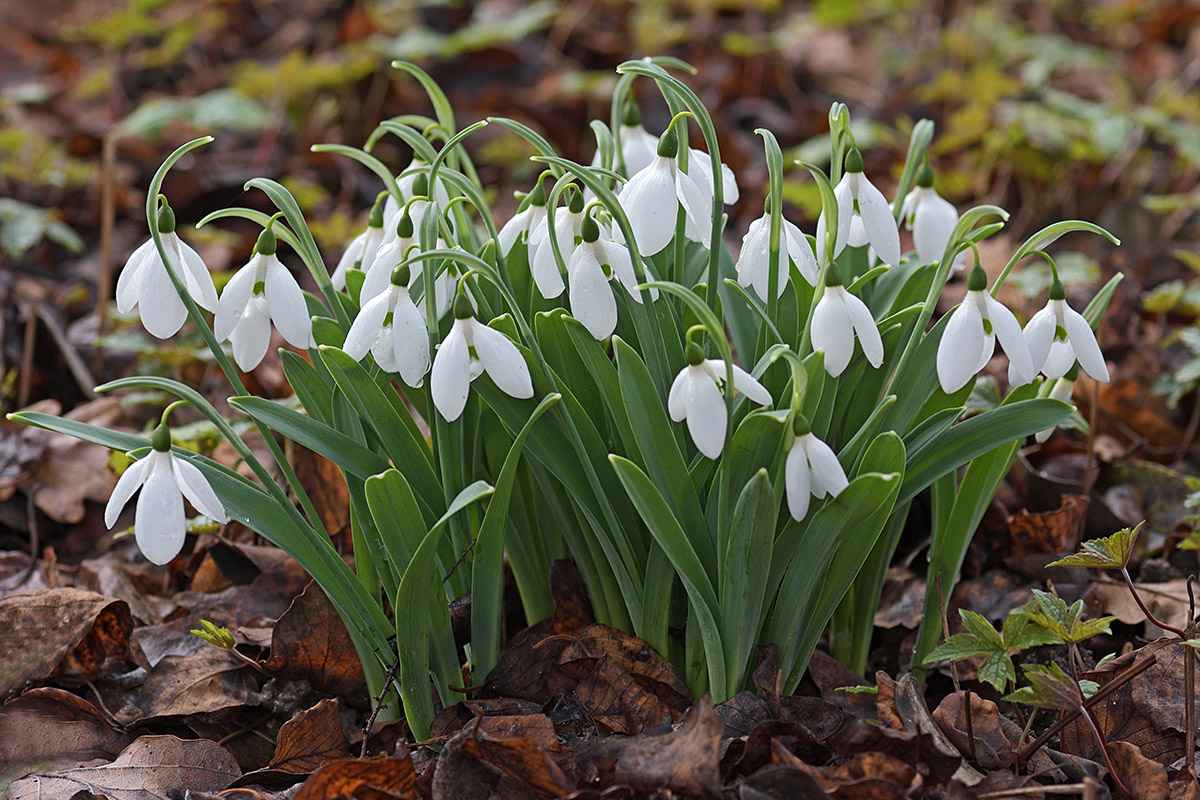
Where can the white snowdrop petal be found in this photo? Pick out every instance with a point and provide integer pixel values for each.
(832, 332)
(289, 312)
(795, 481)
(649, 202)
(409, 341)
(503, 362)
(826, 465)
(865, 328)
(958, 351)
(366, 327)
(678, 395)
(353, 253)
(162, 312)
(199, 279)
(512, 230)
(450, 380)
(129, 283)
(706, 417)
(801, 254)
(745, 383)
(196, 489)
(730, 185)
(233, 300)
(252, 336)
(544, 266)
(1083, 343)
(844, 194)
(127, 484)
(158, 521)
(592, 301)
(932, 224)
(1008, 331)
(697, 206)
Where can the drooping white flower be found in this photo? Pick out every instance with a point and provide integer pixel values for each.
(159, 524)
(523, 224)
(931, 220)
(361, 250)
(413, 181)
(261, 292)
(857, 197)
(969, 338)
(1058, 336)
(752, 264)
(838, 318)
(144, 283)
(696, 396)
(470, 349)
(652, 197)
(700, 168)
(593, 265)
(542, 263)
(391, 326)
(387, 257)
(1062, 391)
(810, 470)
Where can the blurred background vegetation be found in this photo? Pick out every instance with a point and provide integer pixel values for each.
(1051, 109)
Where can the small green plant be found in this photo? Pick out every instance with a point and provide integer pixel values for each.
(506, 394)
(1019, 633)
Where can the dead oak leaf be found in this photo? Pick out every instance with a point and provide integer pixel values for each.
(151, 768)
(179, 686)
(310, 642)
(310, 739)
(375, 777)
(1145, 778)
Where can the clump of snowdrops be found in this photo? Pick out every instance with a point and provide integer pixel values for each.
(727, 449)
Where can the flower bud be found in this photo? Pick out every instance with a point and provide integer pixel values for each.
(266, 245)
(668, 145)
(166, 219)
(800, 425)
(976, 279)
(161, 439)
(462, 306)
(401, 275)
(589, 231)
(632, 115)
(925, 176)
(694, 354)
(576, 204)
(854, 160)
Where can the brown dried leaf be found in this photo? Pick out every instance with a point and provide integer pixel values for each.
(1054, 531)
(78, 632)
(1167, 601)
(521, 748)
(310, 739)
(210, 680)
(780, 783)
(885, 702)
(325, 485)
(152, 768)
(72, 470)
(868, 776)
(311, 642)
(684, 761)
(351, 777)
(50, 726)
(1144, 778)
(572, 606)
(993, 750)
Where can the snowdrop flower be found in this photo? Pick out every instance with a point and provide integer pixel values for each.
(165, 480)
(931, 220)
(638, 146)
(542, 263)
(857, 197)
(413, 182)
(392, 328)
(593, 264)
(696, 396)
(1062, 391)
(145, 284)
(1058, 336)
(700, 168)
(261, 292)
(652, 197)
(361, 250)
(470, 349)
(837, 319)
(531, 217)
(970, 338)
(387, 257)
(753, 262)
(811, 470)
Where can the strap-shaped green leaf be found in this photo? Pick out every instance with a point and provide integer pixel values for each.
(747, 560)
(316, 436)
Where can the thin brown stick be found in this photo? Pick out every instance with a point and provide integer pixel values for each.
(26, 384)
(377, 706)
(1137, 599)
(941, 593)
(1189, 678)
(1027, 791)
(1105, 691)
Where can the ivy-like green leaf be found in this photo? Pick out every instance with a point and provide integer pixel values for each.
(1109, 552)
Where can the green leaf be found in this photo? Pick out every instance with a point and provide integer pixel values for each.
(1109, 552)
(979, 627)
(1050, 688)
(747, 560)
(997, 669)
(958, 647)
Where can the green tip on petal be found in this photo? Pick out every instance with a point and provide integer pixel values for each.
(668, 145)
(590, 231)
(976, 279)
(266, 245)
(166, 218)
(694, 354)
(375, 218)
(632, 115)
(401, 275)
(462, 306)
(161, 440)
(404, 228)
(800, 425)
(925, 176)
(854, 160)
(1056, 290)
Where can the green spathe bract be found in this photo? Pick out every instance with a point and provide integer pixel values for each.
(699, 556)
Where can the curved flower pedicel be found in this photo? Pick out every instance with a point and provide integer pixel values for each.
(838, 318)
(470, 349)
(1058, 336)
(144, 283)
(931, 220)
(261, 292)
(810, 470)
(391, 326)
(652, 197)
(592, 266)
(159, 524)
(696, 396)
(753, 266)
(857, 198)
(970, 338)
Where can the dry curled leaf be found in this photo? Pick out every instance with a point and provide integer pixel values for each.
(352, 778)
(52, 726)
(210, 680)
(310, 642)
(310, 739)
